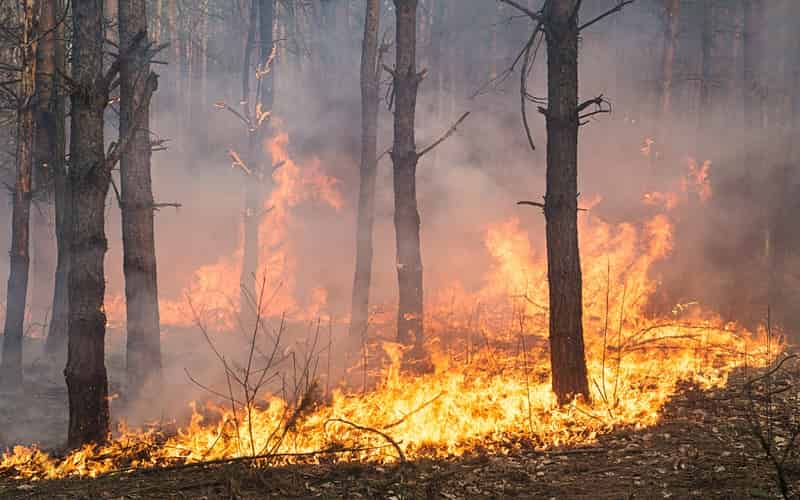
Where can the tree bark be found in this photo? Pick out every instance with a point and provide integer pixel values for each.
(57, 333)
(673, 8)
(404, 157)
(11, 363)
(87, 383)
(370, 82)
(752, 53)
(561, 204)
(259, 161)
(43, 244)
(143, 354)
(707, 72)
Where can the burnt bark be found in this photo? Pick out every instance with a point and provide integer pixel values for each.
(404, 157)
(143, 349)
(11, 363)
(51, 120)
(561, 204)
(370, 81)
(87, 383)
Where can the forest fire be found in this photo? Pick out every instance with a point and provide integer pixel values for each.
(400, 249)
(494, 394)
(212, 297)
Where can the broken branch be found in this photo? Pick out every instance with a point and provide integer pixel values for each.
(447, 134)
(616, 8)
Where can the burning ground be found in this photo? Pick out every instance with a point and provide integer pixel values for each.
(269, 395)
(701, 448)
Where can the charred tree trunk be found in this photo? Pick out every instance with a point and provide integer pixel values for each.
(57, 333)
(370, 81)
(673, 8)
(11, 364)
(87, 383)
(561, 203)
(404, 158)
(143, 350)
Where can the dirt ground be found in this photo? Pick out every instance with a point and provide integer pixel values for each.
(704, 448)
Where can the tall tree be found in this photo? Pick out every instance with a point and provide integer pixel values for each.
(706, 68)
(406, 80)
(256, 111)
(87, 383)
(48, 150)
(370, 82)
(672, 11)
(143, 354)
(558, 20)
(567, 356)
(751, 54)
(89, 178)
(11, 363)
(50, 143)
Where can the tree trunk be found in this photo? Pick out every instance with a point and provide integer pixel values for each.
(258, 160)
(57, 334)
(87, 383)
(561, 204)
(143, 354)
(11, 363)
(752, 53)
(707, 73)
(111, 12)
(668, 59)
(175, 71)
(404, 157)
(370, 82)
(45, 154)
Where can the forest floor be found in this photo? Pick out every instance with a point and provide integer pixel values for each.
(704, 447)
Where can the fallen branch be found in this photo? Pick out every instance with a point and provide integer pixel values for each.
(385, 436)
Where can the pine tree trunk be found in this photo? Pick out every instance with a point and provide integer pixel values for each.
(143, 354)
(404, 157)
(752, 53)
(561, 204)
(668, 59)
(707, 73)
(11, 363)
(259, 161)
(87, 383)
(175, 71)
(57, 334)
(370, 81)
(43, 243)
(438, 64)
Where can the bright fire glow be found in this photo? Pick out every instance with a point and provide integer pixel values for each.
(491, 386)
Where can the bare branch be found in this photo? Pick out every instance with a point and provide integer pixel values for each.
(616, 8)
(536, 16)
(119, 148)
(447, 134)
